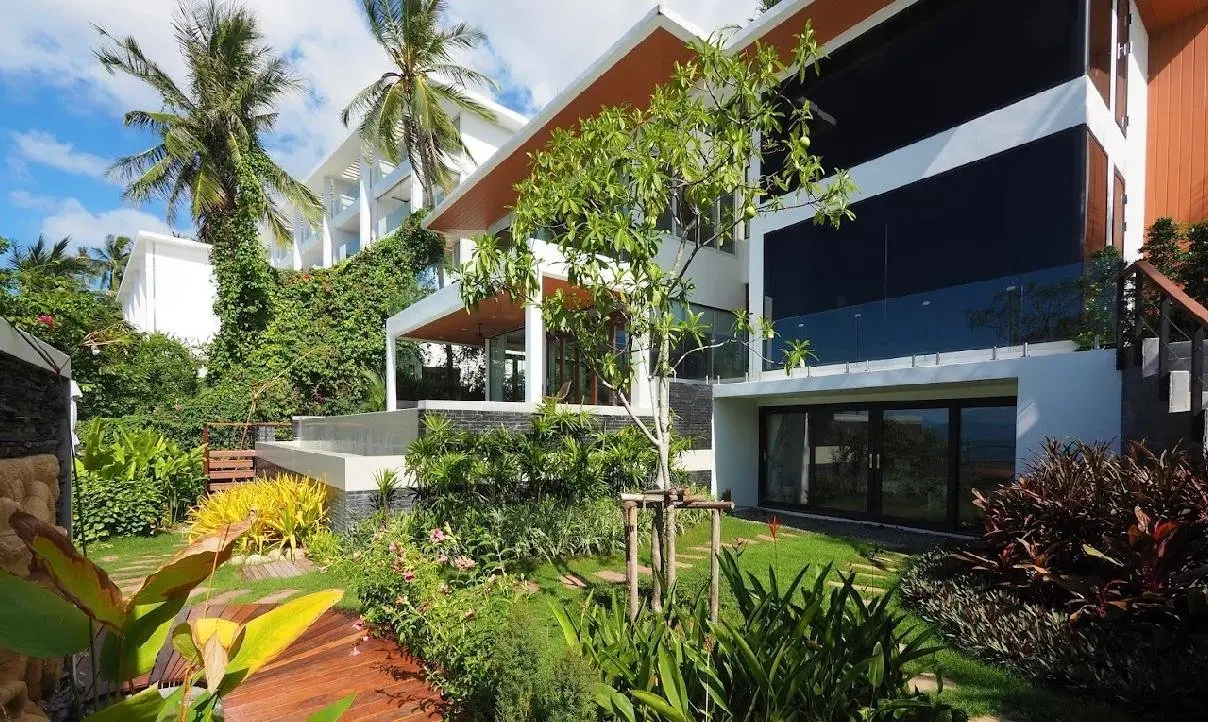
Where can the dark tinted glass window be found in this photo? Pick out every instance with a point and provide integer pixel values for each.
(988, 254)
(933, 66)
(987, 456)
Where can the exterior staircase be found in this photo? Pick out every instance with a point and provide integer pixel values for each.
(1162, 344)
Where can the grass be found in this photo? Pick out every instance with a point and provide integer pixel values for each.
(116, 556)
(980, 688)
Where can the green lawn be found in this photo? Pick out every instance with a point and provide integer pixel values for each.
(980, 688)
(117, 556)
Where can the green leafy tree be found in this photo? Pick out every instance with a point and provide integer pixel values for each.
(405, 111)
(209, 155)
(598, 191)
(1163, 247)
(43, 266)
(108, 263)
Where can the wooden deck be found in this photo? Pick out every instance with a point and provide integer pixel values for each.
(329, 662)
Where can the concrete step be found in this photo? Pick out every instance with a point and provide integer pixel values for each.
(1180, 392)
(1178, 355)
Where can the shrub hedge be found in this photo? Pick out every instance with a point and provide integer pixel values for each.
(1154, 666)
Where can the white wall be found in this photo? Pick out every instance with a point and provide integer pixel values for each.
(169, 288)
(482, 137)
(1074, 395)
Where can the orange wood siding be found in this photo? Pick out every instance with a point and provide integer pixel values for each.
(1177, 143)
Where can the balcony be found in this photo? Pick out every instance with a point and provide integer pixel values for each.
(393, 220)
(390, 178)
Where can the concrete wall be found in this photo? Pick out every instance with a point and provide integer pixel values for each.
(1074, 395)
(169, 288)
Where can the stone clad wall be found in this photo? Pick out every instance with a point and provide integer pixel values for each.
(31, 409)
(692, 403)
(30, 483)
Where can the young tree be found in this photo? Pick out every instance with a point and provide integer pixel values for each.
(597, 193)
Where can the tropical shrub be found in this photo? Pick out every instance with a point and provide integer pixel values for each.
(387, 488)
(445, 610)
(131, 482)
(289, 509)
(1100, 533)
(547, 491)
(798, 651)
(56, 622)
(536, 682)
(1149, 664)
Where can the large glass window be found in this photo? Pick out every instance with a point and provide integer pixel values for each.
(934, 66)
(989, 254)
(987, 456)
(720, 352)
(507, 367)
(714, 229)
(915, 464)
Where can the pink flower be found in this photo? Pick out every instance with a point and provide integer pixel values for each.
(442, 559)
(408, 576)
(436, 535)
(463, 563)
(46, 320)
(358, 625)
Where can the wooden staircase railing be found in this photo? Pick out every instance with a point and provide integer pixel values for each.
(1149, 305)
(225, 467)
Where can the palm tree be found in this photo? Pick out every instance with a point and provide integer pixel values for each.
(210, 123)
(404, 112)
(108, 263)
(45, 266)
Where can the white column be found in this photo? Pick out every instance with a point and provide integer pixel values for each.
(366, 201)
(391, 384)
(328, 255)
(534, 355)
(486, 372)
(296, 253)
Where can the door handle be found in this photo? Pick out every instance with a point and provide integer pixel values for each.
(878, 461)
(870, 459)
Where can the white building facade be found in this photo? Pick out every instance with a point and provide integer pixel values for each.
(168, 287)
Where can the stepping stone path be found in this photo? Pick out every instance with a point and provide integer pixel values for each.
(861, 588)
(280, 569)
(225, 597)
(610, 576)
(198, 591)
(928, 684)
(277, 597)
(570, 581)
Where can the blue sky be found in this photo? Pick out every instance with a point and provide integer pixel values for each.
(60, 113)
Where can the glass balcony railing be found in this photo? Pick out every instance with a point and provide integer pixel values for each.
(388, 223)
(1053, 304)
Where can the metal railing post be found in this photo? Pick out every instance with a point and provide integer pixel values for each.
(1139, 312)
(1164, 339)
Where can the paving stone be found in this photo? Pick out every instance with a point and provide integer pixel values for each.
(691, 557)
(927, 683)
(887, 563)
(532, 587)
(109, 558)
(227, 597)
(643, 569)
(703, 548)
(198, 591)
(867, 569)
(766, 538)
(277, 597)
(571, 581)
(610, 576)
(862, 589)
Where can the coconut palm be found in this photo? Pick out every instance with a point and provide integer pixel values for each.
(108, 262)
(210, 122)
(405, 111)
(41, 265)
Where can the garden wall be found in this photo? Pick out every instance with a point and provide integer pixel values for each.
(35, 433)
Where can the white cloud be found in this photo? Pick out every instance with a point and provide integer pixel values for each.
(37, 146)
(31, 201)
(69, 217)
(537, 46)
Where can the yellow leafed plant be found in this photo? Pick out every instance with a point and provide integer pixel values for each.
(288, 508)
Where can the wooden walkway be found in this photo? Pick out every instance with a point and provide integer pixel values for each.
(329, 662)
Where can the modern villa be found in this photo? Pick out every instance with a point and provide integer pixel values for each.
(996, 148)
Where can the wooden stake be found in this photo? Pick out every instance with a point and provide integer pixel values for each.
(715, 545)
(669, 557)
(656, 560)
(631, 554)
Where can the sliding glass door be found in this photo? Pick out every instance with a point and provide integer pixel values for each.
(911, 464)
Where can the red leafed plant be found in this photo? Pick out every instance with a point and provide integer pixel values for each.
(1101, 533)
(774, 527)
